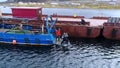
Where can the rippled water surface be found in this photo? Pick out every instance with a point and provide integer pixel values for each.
(90, 53)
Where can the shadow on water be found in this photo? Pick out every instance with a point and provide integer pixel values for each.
(84, 53)
(26, 47)
(96, 41)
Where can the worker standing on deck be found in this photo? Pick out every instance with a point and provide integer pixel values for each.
(82, 22)
(65, 38)
(58, 34)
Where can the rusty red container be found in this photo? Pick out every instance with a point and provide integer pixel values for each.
(27, 12)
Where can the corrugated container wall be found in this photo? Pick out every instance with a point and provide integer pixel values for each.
(27, 12)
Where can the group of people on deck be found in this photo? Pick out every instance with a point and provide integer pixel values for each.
(64, 36)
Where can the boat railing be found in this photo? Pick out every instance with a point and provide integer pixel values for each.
(111, 24)
(13, 31)
(113, 20)
(72, 23)
(64, 16)
(101, 18)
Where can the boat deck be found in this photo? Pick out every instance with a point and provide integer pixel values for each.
(93, 22)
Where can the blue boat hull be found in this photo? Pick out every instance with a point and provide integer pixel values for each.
(31, 39)
(22, 34)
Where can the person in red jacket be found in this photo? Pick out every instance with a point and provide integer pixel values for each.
(58, 34)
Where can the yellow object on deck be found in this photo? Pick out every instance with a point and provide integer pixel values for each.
(75, 15)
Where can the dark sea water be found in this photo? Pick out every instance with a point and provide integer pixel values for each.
(83, 53)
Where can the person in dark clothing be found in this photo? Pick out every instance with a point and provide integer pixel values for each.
(82, 22)
(65, 38)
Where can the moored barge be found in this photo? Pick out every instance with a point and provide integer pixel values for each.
(70, 24)
(112, 28)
